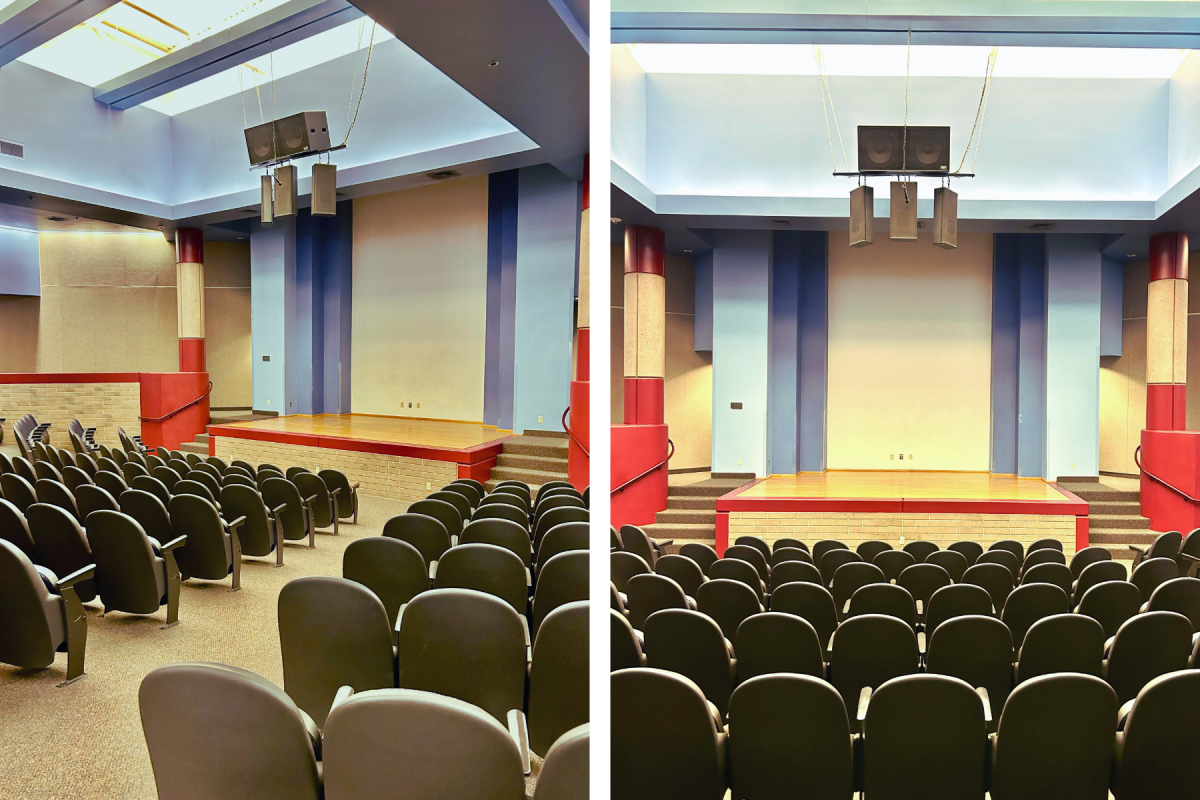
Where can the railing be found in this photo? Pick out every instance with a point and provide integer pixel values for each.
(165, 417)
(571, 433)
(1137, 460)
(657, 466)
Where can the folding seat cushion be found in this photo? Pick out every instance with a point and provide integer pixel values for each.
(564, 774)
(133, 573)
(214, 548)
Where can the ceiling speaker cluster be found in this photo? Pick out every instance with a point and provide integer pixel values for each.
(894, 149)
(303, 134)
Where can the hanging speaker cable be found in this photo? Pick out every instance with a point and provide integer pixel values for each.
(823, 81)
(980, 111)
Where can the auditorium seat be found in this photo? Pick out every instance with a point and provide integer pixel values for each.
(1110, 603)
(812, 602)
(47, 471)
(93, 498)
(423, 532)
(830, 562)
(883, 598)
(622, 566)
(757, 543)
(786, 541)
(742, 571)
(502, 533)
(683, 571)
(15, 530)
(214, 548)
(689, 643)
(957, 600)
(921, 549)
(86, 463)
(148, 483)
(1062, 643)
(561, 539)
(702, 554)
(953, 562)
(507, 498)
(893, 562)
(5, 464)
(824, 546)
(1165, 545)
(150, 512)
(61, 545)
(332, 633)
(789, 736)
(74, 477)
(1189, 554)
(924, 736)
(1031, 602)
(1156, 749)
(996, 579)
(1095, 573)
(1042, 556)
(728, 602)
(56, 494)
(867, 651)
(347, 497)
(848, 578)
(1152, 572)
(563, 579)
(133, 573)
(1012, 546)
(565, 772)
(549, 503)
(782, 554)
(129, 470)
(558, 677)
(392, 569)
(921, 581)
(650, 707)
(473, 495)
(1181, 595)
(290, 473)
(870, 548)
(975, 649)
(17, 490)
(752, 556)
(238, 463)
(625, 649)
(460, 502)
(232, 478)
(1053, 573)
(791, 571)
(259, 534)
(969, 549)
(191, 486)
(444, 513)
(485, 568)
(496, 511)
(1003, 557)
(180, 466)
(1087, 556)
(1055, 740)
(557, 516)
(1146, 646)
(22, 467)
(41, 614)
(1045, 544)
(321, 501)
(776, 642)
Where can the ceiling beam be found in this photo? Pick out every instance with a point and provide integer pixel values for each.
(28, 24)
(289, 23)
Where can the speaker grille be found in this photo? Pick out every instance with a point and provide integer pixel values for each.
(881, 148)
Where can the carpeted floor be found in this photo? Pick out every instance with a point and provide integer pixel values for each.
(84, 742)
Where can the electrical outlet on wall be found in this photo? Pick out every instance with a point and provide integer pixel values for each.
(428, 485)
(539, 417)
(739, 462)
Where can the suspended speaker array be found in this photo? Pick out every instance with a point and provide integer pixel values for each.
(903, 151)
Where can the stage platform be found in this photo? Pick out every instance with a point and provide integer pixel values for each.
(900, 506)
(401, 457)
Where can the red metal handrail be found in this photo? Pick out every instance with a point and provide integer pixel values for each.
(571, 433)
(181, 408)
(657, 466)
(1137, 460)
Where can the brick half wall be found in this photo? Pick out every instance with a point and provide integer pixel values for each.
(105, 406)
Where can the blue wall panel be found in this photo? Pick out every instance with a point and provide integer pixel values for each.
(704, 303)
(1112, 306)
(272, 268)
(20, 264)
(501, 299)
(813, 351)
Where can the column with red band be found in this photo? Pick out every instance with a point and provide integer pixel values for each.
(645, 325)
(189, 280)
(578, 458)
(1166, 333)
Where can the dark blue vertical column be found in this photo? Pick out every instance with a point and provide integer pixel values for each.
(1006, 344)
(500, 341)
(1031, 408)
(300, 367)
(319, 375)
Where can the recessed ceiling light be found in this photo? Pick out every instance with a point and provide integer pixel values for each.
(615, 220)
(493, 63)
(1131, 255)
(687, 251)
(57, 219)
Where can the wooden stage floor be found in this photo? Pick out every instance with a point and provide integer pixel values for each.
(903, 485)
(369, 428)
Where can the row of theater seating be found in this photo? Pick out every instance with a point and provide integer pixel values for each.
(1060, 737)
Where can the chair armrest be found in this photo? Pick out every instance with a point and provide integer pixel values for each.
(355, 486)
(335, 493)
(78, 575)
(433, 569)
(178, 541)
(399, 617)
(864, 700)
(343, 694)
(237, 523)
(309, 499)
(1123, 714)
(518, 730)
(920, 607)
(987, 704)
(922, 642)
(528, 578)
(279, 509)
(528, 643)
(1108, 645)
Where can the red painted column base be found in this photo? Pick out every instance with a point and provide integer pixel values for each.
(480, 471)
(1081, 533)
(165, 392)
(635, 449)
(583, 354)
(191, 355)
(1166, 406)
(1173, 456)
(579, 466)
(644, 401)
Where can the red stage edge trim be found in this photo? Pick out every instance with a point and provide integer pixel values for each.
(191, 355)
(466, 455)
(480, 470)
(69, 377)
(1081, 533)
(722, 541)
(212, 446)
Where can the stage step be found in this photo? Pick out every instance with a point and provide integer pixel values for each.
(547, 435)
(691, 513)
(687, 516)
(675, 501)
(1121, 521)
(681, 533)
(538, 463)
(194, 447)
(534, 457)
(537, 446)
(1118, 539)
(1121, 507)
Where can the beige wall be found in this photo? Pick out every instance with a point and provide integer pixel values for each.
(688, 389)
(18, 333)
(910, 331)
(227, 323)
(420, 301)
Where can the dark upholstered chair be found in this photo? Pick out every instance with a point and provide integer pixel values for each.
(1111, 603)
(563, 579)
(394, 570)
(511, 498)
(622, 566)
(1044, 555)
(1086, 557)
(56, 494)
(792, 571)
(957, 600)
(395, 744)
(921, 549)
(1031, 602)
(975, 649)
(1062, 643)
(970, 550)
(502, 533)
(1153, 572)
(564, 774)
(151, 513)
(869, 650)
(61, 545)
(501, 511)
(782, 555)
(423, 532)
(735, 569)
(1165, 545)
(831, 561)
(1181, 595)
(752, 556)
(1157, 748)
(625, 648)
(893, 562)
(1004, 557)
(485, 568)
(683, 571)
(93, 498)
(1053, 573)
(214, 548)
(952, 561)
(702, 554)
(811, 602)
(849, 578)
(561, 539)
(40, 614)
(134, 573)
(443, 512)
(691, 644)
(333, 632)
(824, 546)
(871, 548)
(294, 520)
(74, 477)
(322, 509)
(996, 580)
(474, 496)
(777, 642)
(1096, 573)
(646, 594)
(1012, 546)
(884, 598)
(189, 486)
(291, 472)
(728, 603)
(789, 736)
(922, 580)
(1146, 646)
(650, 707)
(259, 534)
(1055, 740)
(215, 731)
(15, 530)
(148, 483)
(460, 502)
(558, 676)
(17, 490)
(557, 516)
(47, 471)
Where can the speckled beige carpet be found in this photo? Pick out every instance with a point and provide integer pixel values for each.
(84, 742)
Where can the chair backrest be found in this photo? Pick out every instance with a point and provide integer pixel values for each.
(635, 541)
(199, 483)
(1030, 602)
(1055, 740)
(148, 483)
(551, 501)
(310, 485)
(976, 649)
(501, 511)
(1012, 546)
(870, 548)
(61, 544)
(565, 771)
(393, 744)
(347, 500)
(333, 632)
(464, 644)
(511, 498)
(56, 494)
(74, 477)
(129, 576)
(46, 470)
(921, 549)
(151, 513)
(181, 466)
(557, 516)
(502, 533)
(255, 535)
(1160, 740)
(1002, 557)
(728, 602)
(787, 541)
(970, 550)
(752, 556)
(22, 467)
(1111, 603)
(996, 579)
(649, 708)
(86, 463)
(558, 676)
(291, 472)
(1146, 646)
(831, 561)
(791, 571)
(208, 552)
(893, 562)
(702, 554)
(928, 739)
(868, 651)
(485, 568)
(32, 621)
(783, 554)
(922, 580)
(883, 598)
(1098, 572)
(424, 532)
(1045, 544)
(17, 490)
(624, 645)
(561, 538)
(649, 593)
(623, 565)
(15, 530)
(738, 570)
(563, 579)
(954, 562)
(1053, 573)
(1045, 555)
(757, 543)
(461, 504)
(467, 490)
(246, 465)
(690, 644)
(812, 602)
(1087, 556)
(131, 469)
(394, 570)
(263, 750)
(849, 578)
(1062, 643)
(777, 642)
(1181, 595)
(683, 571)
(958, 600)
(824, 546)
(1166, 545)
(93, 498)
(1153, 572)
(210, 469)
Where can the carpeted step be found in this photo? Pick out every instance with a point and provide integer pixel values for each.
(1117, 538)
(530, 476)
(537, 446)
(709, 488)
(202, 438)
(686, 517)
(688, 532)
(1122, 521)
(705, 503)
(1104, 494)
(548, 435)
(1124, 508)
(539, 463)
(194, 447)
